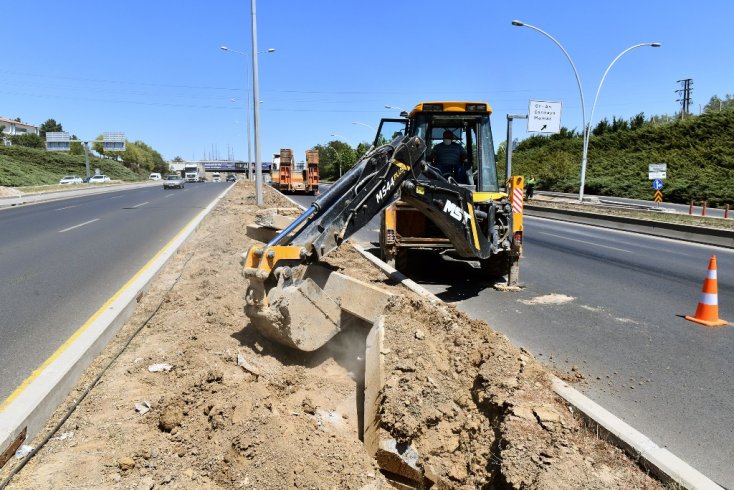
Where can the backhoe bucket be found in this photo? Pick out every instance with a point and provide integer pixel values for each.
(305, 309)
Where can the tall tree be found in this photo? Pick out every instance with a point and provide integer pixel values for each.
(50, 126)
(637, 121)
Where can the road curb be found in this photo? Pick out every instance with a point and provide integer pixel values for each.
(26, 411)
(659, 461)
(689, 233)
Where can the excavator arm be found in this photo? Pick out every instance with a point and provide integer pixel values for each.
(288, 298)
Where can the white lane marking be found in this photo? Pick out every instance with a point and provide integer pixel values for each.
(169, 195)
(587, 242)
(114, 197)
(141, 204)
(66, 207)
(80, 224)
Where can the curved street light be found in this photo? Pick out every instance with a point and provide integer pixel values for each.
(395, 108)
(363, 124)
(247, 96)
(586, 127)
(593, 106)
(338, 159)
(518, 23)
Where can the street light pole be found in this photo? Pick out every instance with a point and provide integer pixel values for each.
(601, 82)
(255, 99)
(338, 158)
(581, 94)
(247, 97)
(363, 124)
(586, 127)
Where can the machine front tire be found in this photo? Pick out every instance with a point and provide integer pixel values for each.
(496, 266)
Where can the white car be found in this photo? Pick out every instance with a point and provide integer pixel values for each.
(71, 179)
(98, 179)
(155, 176)
(173, 181)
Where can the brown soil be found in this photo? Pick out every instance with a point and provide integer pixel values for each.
(9, 192)
(478, 410)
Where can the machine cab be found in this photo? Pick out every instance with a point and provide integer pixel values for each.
(468, 122)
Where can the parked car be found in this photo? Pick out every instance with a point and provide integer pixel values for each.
(231, 178)
(98, 179)
(71, 179)
(173, 181)
(154, 176)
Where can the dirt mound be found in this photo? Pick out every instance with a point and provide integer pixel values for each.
(200, 400)
(479, 411)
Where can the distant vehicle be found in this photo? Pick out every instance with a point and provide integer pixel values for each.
(98, 179)
(71, 179)
(194, 172)
(216, 177)
(231, 178)
(86, 179)
(173, 181)
(154, 176)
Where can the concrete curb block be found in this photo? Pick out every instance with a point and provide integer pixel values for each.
(661, 462)
(689, 233)
(32, 407)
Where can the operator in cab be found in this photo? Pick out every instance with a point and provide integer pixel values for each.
(450, 158)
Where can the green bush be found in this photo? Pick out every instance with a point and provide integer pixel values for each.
(22, 166)
(698, 151)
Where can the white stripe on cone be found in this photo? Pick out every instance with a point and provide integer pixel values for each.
(709, 299)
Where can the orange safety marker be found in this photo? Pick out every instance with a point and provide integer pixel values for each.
(707, 312)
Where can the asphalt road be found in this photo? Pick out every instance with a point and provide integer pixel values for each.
(611, 304)
(60, 261)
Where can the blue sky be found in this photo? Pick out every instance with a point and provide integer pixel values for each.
(155, 71)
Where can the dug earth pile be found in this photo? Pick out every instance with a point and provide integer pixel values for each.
(219, 406)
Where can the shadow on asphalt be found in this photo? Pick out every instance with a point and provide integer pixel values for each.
(462, 279)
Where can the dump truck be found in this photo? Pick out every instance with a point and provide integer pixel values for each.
(291, 177)
(288, 297)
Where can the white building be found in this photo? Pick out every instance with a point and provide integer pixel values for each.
(13, 128)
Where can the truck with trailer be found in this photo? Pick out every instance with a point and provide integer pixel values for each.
(290, 177)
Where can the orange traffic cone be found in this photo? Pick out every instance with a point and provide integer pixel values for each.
(707, 312)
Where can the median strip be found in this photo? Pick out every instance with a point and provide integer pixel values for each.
(79, 225)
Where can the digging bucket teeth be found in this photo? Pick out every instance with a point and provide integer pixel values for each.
(302, 306)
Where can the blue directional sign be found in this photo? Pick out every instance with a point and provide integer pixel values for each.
(657, 184)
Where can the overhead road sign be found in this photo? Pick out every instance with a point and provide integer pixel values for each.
(113, 141)
(58, 141)
(544, 117)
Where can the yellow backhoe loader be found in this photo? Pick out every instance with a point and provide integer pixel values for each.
(460, 211)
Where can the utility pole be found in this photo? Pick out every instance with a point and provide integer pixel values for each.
(685, 96)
